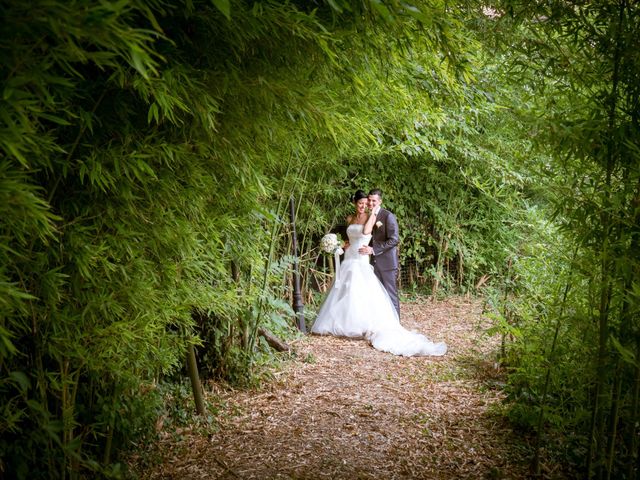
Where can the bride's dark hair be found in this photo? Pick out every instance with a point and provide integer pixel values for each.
(358, 195)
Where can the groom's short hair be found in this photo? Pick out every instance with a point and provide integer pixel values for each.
(375, 191)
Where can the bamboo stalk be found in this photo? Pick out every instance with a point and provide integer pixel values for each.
(632, 436)
(439, 267)
(613, 419)
(109, 443)
(505, 312)
(545, 388)
(253, 330)
(597, 429)
(67, 421)
(600, 399)
(632, 429)
(196, 386)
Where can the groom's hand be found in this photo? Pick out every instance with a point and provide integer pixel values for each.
(365, 250)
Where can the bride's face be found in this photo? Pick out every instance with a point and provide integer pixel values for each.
(361, 205)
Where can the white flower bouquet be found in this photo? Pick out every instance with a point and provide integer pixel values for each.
(330, 243)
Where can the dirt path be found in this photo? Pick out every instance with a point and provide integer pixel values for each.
(347, 411)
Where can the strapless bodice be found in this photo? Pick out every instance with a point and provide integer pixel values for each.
(356, 240)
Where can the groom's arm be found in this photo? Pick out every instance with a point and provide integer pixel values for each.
(392, 239)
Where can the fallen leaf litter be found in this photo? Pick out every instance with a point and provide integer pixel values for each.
(343, 410)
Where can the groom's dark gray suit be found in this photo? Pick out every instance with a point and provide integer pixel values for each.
(384, 241)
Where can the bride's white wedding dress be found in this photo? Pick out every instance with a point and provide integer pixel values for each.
(358, 306)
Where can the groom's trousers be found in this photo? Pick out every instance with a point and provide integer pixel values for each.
(389, 279)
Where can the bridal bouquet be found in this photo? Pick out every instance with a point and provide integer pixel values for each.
(330, 243)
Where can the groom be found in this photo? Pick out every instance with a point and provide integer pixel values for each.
(383, 249)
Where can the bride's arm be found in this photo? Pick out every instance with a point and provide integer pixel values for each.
(368, 226)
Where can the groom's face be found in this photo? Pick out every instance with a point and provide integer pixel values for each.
(374, 201)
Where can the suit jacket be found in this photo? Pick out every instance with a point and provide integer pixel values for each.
(384, 240)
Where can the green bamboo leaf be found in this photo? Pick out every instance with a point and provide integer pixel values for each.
(21, 379)
(224, 6)
(6, 345)
(13, 149)
(138, 63)
(335, 6)
(382, 9)
(153, 113)
(627, 355)
(55, 119)
(22, 295)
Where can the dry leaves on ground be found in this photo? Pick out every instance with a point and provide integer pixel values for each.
(345, 410)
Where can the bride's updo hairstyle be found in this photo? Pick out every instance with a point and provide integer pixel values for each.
(358, 195)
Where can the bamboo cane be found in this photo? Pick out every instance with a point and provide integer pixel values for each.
(196, 386)
(545, 388)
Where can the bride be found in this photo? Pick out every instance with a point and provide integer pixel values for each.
(358, 305)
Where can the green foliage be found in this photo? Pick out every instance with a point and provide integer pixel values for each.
(147, 152)
(442, 157)
(578, 313)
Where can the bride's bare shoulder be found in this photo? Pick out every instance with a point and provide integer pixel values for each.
(349, 219)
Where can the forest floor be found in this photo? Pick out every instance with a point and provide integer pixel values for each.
(340, 409)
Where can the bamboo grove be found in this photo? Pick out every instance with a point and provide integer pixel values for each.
(149, 148)
(575, 312)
